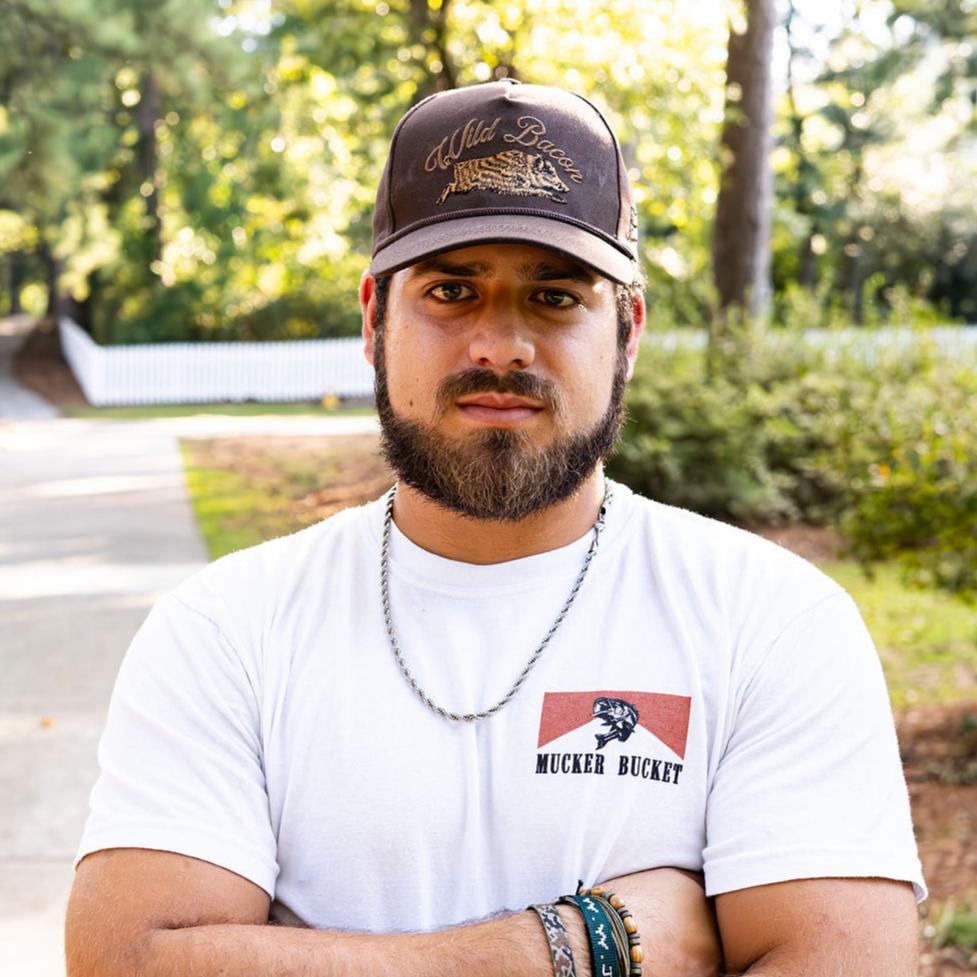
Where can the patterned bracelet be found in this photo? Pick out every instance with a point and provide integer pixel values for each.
(558, 939)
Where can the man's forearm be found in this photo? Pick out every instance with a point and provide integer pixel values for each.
(834, 967)
(890, 955)
(513, 946)
(676, 924)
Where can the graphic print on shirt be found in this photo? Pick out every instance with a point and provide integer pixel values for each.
(618, 723)
(619, 715)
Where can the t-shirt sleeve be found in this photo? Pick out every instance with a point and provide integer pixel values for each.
(810, 783)
(180, 756)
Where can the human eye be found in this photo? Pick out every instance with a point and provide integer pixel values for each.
(557, 298)
(451, 292)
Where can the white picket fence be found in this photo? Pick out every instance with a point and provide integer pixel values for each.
(197, 373)
(959, 341)
(308, 369)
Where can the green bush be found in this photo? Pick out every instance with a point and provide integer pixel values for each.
(697, 444)
(750, 432)
(917, 498)
(875, 433)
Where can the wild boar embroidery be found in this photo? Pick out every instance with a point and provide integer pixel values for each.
(511, 171)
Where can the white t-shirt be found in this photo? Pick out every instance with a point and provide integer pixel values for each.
(711, 701)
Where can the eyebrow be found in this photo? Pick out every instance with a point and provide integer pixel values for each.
(539, 272)
(440, 266)
(544, 272)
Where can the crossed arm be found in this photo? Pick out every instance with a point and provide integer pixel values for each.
(143, 913)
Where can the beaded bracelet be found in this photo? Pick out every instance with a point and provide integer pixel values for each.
(632, 951)
(605, 958)
(559, 940)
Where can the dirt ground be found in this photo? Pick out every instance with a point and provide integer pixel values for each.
(40, 366)
(938, 743)
(939, 751)
(319, 475)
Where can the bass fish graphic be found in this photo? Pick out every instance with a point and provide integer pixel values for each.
(619, 715)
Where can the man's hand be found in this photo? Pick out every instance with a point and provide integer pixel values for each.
(159, 914)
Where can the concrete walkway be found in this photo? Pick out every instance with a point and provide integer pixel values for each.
(94, 524)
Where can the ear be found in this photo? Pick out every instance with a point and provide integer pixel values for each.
(368, 306)
(637, 328)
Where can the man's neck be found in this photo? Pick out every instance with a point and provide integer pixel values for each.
(457, 537)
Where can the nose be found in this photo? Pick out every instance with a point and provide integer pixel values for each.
(500, 341)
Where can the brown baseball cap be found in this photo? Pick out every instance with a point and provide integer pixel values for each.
(505, 162)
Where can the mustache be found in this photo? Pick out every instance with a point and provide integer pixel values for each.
(477, 380)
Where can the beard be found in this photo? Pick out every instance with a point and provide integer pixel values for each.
(496, 473)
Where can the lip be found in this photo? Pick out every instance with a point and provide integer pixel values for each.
(498, 402)
(498, 409)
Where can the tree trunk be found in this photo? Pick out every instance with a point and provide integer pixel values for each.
(800, 191)
(82, 309)
(147, 115)
(807, 274)
(16, 259)
(52, 272)
(855, 279)
(741, 239)
(429, 28)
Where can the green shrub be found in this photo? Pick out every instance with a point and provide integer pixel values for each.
(751, 431)
(700, 445)
(917, 499)
(876, 433)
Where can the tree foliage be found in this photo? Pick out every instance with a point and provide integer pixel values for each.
(205, 168)
(874, 177)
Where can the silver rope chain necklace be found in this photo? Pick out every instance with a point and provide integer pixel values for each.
(470, 717)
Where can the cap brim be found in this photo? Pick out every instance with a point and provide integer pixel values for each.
(543, 232)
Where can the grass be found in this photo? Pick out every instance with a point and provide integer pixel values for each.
(231, 512)
(311, 408)
(927, 639)
(246, 490)
(957, 926)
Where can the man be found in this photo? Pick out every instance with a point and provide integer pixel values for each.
(508, 674)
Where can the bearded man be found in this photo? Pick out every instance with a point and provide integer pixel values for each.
(508, 675)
